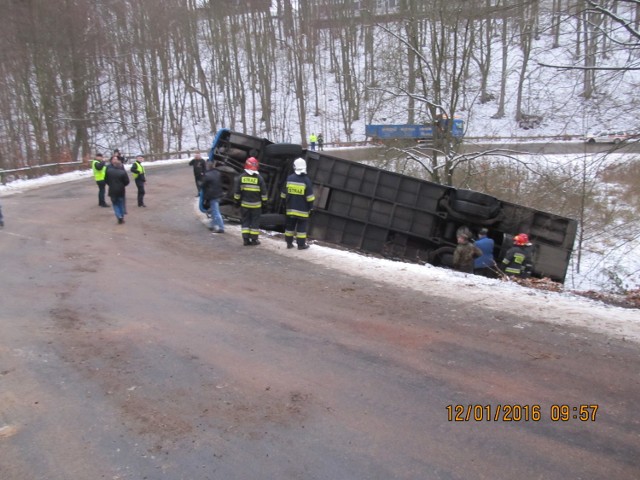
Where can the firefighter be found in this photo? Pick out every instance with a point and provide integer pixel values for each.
(518, 261)
(298, 197)
(250, 193)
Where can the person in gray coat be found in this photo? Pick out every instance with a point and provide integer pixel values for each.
(117, 181)
(212, 193)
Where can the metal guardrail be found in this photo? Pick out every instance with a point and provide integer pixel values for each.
(35, 171)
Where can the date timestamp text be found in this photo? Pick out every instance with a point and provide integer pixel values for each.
(521, 413)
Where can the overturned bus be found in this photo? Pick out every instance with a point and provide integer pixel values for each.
(397, 216)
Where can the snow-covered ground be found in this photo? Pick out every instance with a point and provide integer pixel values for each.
(498, 295)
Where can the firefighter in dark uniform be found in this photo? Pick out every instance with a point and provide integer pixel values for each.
(518, 262)
(298, 197)
(250, 192)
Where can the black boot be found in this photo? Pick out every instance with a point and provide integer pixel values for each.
(289, 242)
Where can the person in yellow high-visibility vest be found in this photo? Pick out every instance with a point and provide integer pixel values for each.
(313, 139)
(99, 170)
(140, 178)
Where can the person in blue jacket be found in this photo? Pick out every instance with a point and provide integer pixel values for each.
(485, 265)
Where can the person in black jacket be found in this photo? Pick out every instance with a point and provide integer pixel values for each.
(199, 169)
(298, 196)
(117, 180)
(212, 192)
(119, 156)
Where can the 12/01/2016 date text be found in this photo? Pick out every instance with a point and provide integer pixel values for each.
(521, 413)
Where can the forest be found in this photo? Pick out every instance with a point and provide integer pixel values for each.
(81, 76)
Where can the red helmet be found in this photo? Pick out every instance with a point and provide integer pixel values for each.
(521, 239)
(251, 164)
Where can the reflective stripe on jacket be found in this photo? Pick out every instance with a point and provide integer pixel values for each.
(250, 190)
(298, 195)
(517, 261)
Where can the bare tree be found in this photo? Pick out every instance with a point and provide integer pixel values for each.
(440, 43)
(504, 35)
(527, 20)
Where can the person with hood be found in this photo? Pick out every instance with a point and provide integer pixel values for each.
(250, 192)
(518, 261)
(465, 252)
(485, 265)
(298, 197)
(212, 192)
(117, 180)
(139, 177)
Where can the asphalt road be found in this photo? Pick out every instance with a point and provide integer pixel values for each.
(154, 350)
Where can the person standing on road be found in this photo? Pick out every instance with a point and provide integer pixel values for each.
(99, 170)
(320, 142)
(298, 196)
(119, 156)
(139, 177)
(212, 192)
(250, 193)
(199, 169)
(485, 265)
(117, 180)
(113, 162)
(465, 252)
(312, 141)
(518, 260)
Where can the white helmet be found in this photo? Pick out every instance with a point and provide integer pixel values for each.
(300, 166)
